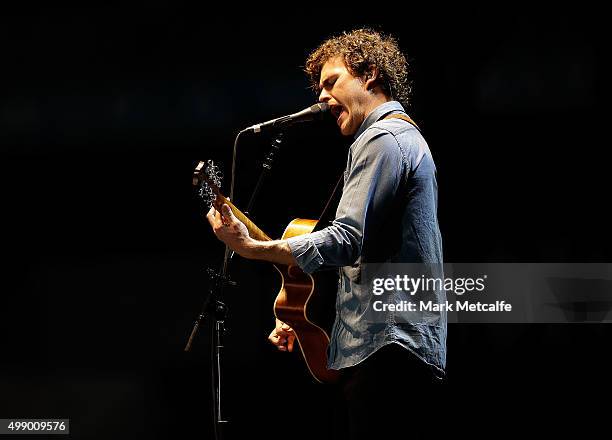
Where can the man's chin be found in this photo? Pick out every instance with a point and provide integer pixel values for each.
(346, 130)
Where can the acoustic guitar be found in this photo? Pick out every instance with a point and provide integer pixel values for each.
(305, 302)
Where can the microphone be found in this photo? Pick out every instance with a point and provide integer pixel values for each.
(308, 114)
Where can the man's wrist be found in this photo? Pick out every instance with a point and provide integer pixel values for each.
(276, 251)
(255, 249)
(252, 249)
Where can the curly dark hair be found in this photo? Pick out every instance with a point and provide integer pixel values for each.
(363, 49)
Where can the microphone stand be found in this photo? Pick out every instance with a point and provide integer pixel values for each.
(214, 306)
(266, 167)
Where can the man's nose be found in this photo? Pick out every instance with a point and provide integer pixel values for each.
(324, 96)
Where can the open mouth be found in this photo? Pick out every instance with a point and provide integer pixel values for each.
(337, 111)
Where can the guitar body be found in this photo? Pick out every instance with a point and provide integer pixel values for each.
(307, 304)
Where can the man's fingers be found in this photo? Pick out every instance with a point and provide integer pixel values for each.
(283, 341)
(276, 339)
(280, 343)
(227, 212)
(284, 334)
(210, 216)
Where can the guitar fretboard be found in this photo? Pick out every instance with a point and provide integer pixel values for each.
(254, 231)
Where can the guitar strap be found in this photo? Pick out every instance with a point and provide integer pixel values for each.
(322, 221)
(403, 118)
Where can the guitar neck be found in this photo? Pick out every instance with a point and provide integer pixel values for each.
(254, 231)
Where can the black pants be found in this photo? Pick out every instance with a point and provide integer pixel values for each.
(391, 393)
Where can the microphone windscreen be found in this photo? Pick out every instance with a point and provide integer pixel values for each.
(320, 107)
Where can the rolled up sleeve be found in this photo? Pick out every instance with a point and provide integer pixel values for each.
(373, 176)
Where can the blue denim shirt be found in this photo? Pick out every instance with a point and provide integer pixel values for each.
(387, 213)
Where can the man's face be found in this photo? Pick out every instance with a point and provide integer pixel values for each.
(346, 95)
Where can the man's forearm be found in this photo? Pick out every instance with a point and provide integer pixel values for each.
(275, 251)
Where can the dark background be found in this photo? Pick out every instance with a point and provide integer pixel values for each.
(104, 112)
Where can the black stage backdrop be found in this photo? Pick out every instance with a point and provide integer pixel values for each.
(106, 110)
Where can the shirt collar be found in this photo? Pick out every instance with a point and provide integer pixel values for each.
(378, 113)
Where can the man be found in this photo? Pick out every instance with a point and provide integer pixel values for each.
(387, 214)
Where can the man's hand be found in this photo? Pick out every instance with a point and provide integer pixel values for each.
(230, 230)
(282, 336)
(235, 235)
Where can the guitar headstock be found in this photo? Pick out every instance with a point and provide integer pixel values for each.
(207, 177)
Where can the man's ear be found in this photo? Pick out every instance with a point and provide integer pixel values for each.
(371, 78)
